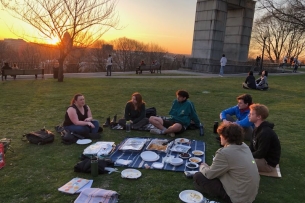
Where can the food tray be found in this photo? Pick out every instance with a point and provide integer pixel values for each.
(133, 144)
(180, 148)
(156, 145)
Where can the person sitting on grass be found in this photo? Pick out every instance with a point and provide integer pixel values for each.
(265, 144)
(241, 112)
(181, 115)
(233, 175)
(262, 82)
(78, 117)
(135, 112)
(250, 81)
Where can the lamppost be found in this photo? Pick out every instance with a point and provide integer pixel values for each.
(265, 35)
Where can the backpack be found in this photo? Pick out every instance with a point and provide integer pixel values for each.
(40, 137)
(151, 112)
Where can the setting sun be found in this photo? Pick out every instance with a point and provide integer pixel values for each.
(53, 40)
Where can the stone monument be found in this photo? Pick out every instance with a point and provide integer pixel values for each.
(222, 27)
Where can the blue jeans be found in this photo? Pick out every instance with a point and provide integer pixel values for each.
(221, 70)
(83, 130)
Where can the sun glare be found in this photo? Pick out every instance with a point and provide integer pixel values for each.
(53, 40)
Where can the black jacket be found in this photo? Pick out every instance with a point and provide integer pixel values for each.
(265, 144)
(250, 81)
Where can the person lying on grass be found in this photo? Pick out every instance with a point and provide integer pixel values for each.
(181, 114)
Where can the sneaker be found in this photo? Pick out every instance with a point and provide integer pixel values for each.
(171, 134)
(155, 131)
(220, 75)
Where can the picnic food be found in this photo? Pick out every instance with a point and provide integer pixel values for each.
(158, 147)
(184, 155)
(195, 160)
(198, 153)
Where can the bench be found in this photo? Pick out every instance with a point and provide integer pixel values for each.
(151, 68)
(15, 72)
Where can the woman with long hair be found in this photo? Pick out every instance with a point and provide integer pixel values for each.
(78, 117)
(135, 112)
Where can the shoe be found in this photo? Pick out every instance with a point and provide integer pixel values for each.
(155, 131)
(113, 121)
(107, 123)
(171, 134)
(100, 129)
(220, 75)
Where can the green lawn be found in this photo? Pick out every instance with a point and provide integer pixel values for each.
(33, 173)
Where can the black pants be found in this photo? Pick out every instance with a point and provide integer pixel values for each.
(135, 126)
(109, 70)
(211, 187)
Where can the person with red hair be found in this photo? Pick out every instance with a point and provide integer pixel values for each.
(135, 112)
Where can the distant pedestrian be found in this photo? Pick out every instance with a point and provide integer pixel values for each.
(296, 64)
(223, 62)
(109, 65)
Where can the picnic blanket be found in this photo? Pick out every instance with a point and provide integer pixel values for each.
(275, 173)
(132, 159)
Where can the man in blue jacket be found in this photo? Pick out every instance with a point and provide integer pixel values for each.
(181, 115)
(241, 112)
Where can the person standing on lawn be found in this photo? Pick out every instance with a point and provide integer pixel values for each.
(181, 114)
(233, 175)
(241, 112)
(265, 144)
(223, 62)
(109, 65)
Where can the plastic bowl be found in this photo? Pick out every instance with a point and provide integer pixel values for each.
(176, 161)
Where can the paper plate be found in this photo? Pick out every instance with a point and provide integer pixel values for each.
(149, 156)
(182, 140)
(83, 141)
(131, 173)
(191, 196)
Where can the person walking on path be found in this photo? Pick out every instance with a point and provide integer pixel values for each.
(109, 65)
(223, 62)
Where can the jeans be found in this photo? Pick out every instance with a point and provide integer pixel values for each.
(83, 129)
(221, 70)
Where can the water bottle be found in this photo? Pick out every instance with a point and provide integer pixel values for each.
(94, 166)
(201, 131)
(2, 161)
(215, 127)
(128, 126)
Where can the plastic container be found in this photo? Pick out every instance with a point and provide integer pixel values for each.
(215, 127)
(128, 126)
(201, 130)
(94, 166)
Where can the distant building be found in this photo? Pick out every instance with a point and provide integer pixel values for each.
(15, 43)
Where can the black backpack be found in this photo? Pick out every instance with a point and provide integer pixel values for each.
(40, 137)
(151, 112)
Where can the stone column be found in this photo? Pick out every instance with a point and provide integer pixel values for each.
(222, 27)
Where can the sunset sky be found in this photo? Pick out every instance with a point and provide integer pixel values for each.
(168, 23)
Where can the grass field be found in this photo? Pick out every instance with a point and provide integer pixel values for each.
(33, 173)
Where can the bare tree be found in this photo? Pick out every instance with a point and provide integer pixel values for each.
(73, 22)
(283, 37)
(290, 11)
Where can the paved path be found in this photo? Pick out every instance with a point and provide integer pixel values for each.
(131, 74)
